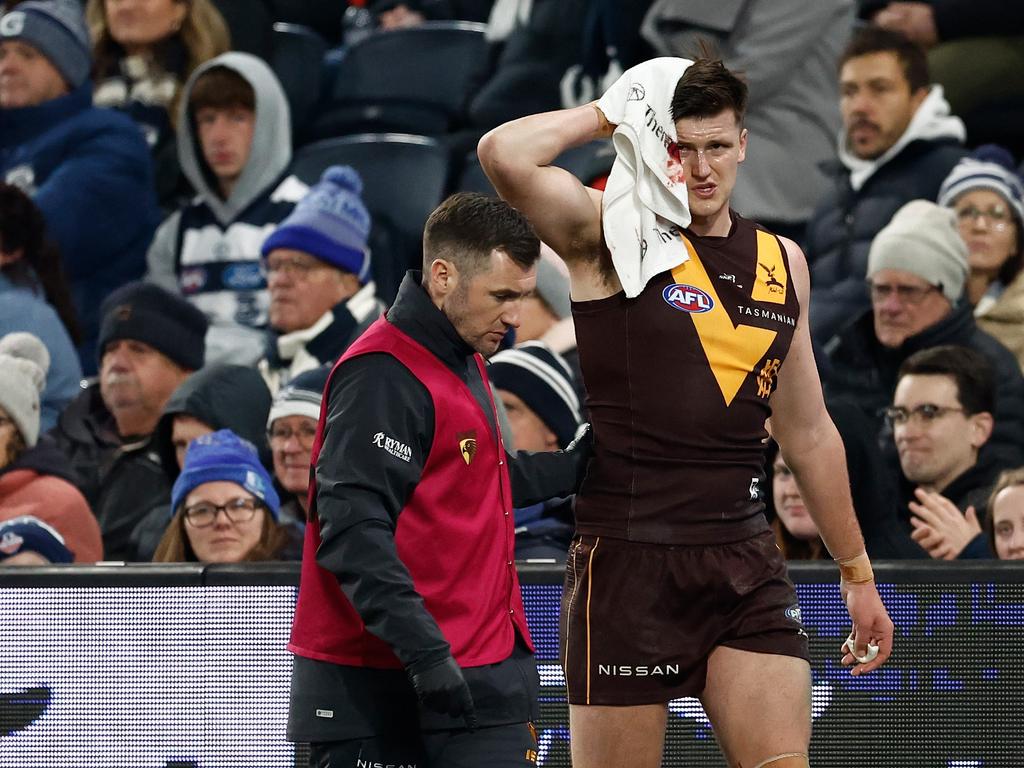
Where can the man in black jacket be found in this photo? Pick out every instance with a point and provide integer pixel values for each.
(149, 342)
(898, 144)
(942, 419)
(916, 272)
(409, 637)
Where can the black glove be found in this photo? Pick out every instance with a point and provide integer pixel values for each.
(442, 688)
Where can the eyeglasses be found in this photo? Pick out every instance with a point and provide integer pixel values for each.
(292, 266)
(204, 513)
(906, 294)
(925, 413)
(998, 216)
(303, 434)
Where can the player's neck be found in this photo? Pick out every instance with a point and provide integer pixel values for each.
(717, 224)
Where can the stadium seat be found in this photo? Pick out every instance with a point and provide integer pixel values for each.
(249, 22)
(404, 178)
(297, 60)
(408, 80)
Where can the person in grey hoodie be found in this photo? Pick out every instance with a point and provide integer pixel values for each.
(234, 147)
(898, 144)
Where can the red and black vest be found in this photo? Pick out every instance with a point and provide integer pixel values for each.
(455, 534)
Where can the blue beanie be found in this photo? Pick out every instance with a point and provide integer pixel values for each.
(57, 29)
(330, 223)
(30, 534)
(223, 456)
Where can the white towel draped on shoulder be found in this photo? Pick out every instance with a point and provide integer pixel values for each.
(646, 192)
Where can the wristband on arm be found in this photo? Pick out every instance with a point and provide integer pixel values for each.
(856, 570)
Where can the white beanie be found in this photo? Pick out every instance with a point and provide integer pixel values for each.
(923, 239)
(24, 362)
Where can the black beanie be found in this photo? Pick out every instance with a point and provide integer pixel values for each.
(148, 313)
(544, 382)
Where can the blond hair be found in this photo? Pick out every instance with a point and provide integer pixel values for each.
(203, 33)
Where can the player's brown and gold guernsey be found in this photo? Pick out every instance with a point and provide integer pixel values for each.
(678, 381)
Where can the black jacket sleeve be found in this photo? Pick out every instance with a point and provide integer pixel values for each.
(380, 424)
(537, 477)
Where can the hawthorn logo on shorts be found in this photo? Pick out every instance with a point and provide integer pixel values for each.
(687, 298)
(793, 612)
(467, 445)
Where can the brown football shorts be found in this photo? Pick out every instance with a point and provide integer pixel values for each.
(639, 621)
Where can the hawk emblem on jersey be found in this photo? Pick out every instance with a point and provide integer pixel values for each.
(732, 350)
(766, 378)
(771, 279)
(467, 446)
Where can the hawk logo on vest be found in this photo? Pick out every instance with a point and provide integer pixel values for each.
(467, 446)
(766, 377)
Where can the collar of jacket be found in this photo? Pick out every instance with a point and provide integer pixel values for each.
(415, 314)
(21, 125)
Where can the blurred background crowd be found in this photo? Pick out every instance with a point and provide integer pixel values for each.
(204, 202)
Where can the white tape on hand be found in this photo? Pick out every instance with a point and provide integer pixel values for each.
(869, 656)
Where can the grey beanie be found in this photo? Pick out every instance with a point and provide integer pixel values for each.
(24, 362)
(923, 239)
(553, 283)
(57, 29)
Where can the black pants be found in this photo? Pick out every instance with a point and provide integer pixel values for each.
(500, 746)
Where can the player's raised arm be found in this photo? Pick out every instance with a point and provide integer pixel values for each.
(517, 158)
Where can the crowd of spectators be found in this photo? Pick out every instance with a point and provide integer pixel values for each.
(174, 291)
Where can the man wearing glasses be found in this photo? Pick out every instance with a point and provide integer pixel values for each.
(917, 268)
(941, 418)
(322, 295)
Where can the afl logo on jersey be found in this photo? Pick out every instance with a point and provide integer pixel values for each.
(688, 299)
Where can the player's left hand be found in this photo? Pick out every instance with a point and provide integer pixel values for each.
(871, 624)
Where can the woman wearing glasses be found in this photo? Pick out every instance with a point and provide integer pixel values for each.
(987, 196)
(225, 508)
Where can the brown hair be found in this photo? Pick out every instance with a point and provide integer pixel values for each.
(15, 447)
(911, 56)
(204, 35)
(708, 87)
(797, 549)
(174, 546)
(1007, 479)
(221, 88)
(466, 227)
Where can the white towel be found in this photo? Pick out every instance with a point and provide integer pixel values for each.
(641, 201)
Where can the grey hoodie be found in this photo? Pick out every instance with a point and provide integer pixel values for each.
(209, 251)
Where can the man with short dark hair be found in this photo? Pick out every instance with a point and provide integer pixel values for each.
(87, 169)
(941, 417)
(410, 642)
(235, 148)
(149, 343)
(898, 143)
(682, 369)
